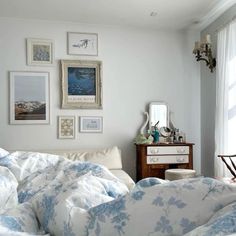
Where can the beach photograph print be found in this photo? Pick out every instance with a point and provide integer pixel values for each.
(29, 98)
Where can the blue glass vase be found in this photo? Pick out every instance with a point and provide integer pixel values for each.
(155, 135)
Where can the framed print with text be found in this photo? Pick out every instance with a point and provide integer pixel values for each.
(91, 124)
(81, 84)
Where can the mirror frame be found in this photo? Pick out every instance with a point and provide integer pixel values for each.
(150, 112)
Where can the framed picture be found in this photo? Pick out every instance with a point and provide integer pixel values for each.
(29, 98)
(81, 84)
(82, 44)
(91, 124)
(39, 52)
(66, 127)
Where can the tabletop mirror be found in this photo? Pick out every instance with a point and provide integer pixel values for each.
(158, 111)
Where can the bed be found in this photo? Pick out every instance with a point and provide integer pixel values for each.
(48, 194)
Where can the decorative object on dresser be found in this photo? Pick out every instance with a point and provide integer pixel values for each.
(152, 160)
(29, 97)
(81, 84)
(141, 137)
(40, 52)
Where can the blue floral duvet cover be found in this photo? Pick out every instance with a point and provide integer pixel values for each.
(43, 194)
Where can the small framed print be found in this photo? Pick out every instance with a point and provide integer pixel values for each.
(66, 127)
(82, 44)
(39, 52)
(91, 124)
(29, 97)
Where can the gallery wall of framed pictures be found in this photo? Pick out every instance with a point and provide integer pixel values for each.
(81, 85)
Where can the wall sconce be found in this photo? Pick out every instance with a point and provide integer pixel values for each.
(202, 51)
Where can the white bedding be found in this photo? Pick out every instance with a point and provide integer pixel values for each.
(109, 157)
(73, 198)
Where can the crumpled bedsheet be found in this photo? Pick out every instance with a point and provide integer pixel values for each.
(59, 197)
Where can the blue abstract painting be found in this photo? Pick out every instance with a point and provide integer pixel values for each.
(81, 81)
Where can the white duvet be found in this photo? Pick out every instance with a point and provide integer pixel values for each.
(44, 194)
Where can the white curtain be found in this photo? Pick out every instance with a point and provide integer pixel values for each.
(225, 120)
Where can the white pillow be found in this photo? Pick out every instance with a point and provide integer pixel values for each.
(3, 152)
(8, 187)
(110, 157)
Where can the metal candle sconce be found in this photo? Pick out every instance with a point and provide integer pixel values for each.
(202, 51)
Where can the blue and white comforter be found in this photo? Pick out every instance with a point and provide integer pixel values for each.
(44, 194)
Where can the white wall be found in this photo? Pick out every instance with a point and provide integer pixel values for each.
(139, 66)
(208, 97)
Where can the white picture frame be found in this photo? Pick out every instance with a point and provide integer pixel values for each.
(29, 97)
(40, 52)
(91, 124)
(66, 127)
(81, 84)
(82, 43)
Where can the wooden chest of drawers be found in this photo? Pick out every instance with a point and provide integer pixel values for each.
(153, 159)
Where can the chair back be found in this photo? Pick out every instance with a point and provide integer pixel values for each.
(232, 168)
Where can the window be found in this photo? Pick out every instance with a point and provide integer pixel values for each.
(225, 125)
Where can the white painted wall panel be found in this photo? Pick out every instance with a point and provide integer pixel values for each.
(139, 66)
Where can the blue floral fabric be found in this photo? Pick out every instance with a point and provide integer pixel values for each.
(172, 208)
(62, 191)
(64, 198)
(223, 222)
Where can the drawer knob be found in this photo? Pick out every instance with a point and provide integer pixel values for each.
(154, 151)
(180, 159)
(154, 159)
(180, 150)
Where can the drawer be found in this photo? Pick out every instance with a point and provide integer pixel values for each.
(171, 159)
(157, 150)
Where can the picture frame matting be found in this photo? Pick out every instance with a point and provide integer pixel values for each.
(40, 52)
(91, 124)
(82, 43)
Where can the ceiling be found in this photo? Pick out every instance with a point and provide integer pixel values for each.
(170, 14)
